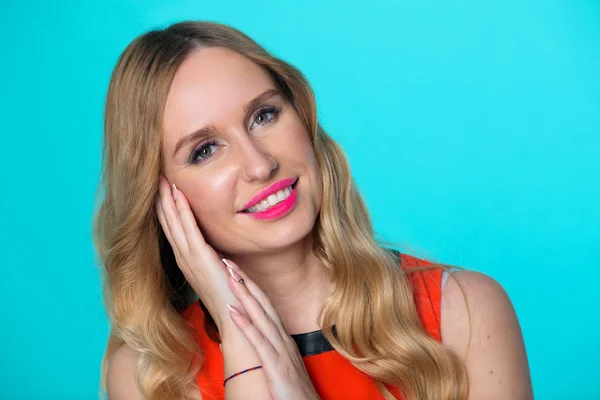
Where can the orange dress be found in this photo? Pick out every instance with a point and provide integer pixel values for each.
(332, 375)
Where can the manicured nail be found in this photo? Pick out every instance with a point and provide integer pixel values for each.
(234, 309)
(230, 264)
(235, 275)
(175, 192)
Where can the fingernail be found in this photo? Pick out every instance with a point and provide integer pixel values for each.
(234, 309)
(235, 275)
(175, 192)
(230, 264)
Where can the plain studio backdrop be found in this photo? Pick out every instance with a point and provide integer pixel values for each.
(472, 128)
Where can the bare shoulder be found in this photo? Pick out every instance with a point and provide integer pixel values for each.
(120, 378)
(120, 381)
(469, 299)
(479, 323)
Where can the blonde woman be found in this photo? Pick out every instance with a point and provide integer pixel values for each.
(240, 261)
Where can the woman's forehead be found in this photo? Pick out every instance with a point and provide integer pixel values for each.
(210, 85)
(217, 73)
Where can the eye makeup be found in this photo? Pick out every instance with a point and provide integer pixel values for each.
(270, 112)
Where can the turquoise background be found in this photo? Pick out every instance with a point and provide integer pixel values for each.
(472, 127)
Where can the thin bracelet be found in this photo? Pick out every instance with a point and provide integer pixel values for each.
(241, 372)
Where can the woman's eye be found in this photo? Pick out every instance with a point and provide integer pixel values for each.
(203, 152)
(265, 116)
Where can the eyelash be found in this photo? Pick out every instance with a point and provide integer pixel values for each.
(197, 150)
(265, 110)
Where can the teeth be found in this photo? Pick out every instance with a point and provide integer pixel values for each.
(271, 200)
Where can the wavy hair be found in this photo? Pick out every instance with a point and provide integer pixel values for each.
(377, 327)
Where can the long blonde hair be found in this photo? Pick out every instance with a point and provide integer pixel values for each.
(377, 325)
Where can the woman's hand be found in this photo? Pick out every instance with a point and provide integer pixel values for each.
(204, 269)
(199, 262)
(284, 368)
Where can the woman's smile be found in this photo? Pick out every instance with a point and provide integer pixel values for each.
(276, 205)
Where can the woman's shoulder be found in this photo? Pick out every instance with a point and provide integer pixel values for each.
(472, 298)
(120, 376)
(120, 381)
(477, 322)
(480, 325)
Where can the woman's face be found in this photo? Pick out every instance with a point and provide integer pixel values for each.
(229, 134)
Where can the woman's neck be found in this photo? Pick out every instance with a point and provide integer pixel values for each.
(294, 280)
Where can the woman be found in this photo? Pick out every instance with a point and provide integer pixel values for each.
(219, 182)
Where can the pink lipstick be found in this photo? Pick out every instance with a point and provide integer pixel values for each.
(278, 210)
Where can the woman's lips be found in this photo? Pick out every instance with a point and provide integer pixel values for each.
(265, 193)
(278, 210)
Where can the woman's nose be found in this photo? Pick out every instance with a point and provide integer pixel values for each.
(257, 164)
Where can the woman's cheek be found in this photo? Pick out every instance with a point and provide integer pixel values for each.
(206, 213)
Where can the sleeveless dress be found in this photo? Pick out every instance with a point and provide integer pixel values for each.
(332, 375)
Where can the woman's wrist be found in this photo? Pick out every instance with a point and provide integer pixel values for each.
(238, 352)
(224, 323)
(219, 312)
(239, 355)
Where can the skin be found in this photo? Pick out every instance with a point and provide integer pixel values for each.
(212, 87)
(476, 306)
(284, 284)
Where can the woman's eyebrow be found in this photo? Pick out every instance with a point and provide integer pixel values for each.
(210, 129)
(192, 137)
(255, 102)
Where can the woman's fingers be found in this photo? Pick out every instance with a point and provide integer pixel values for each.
(163, 222)
(264, 348)
(178, 240)
(266, 322)
(260, 296)
(283, 365)
(187, 228)
(188, 222)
